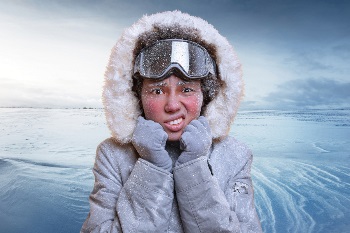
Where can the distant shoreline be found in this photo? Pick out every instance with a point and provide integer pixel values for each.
(55, 107)
(239, 110)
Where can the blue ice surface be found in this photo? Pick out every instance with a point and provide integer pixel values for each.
(300, 170)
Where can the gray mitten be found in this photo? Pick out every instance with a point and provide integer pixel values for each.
(195, 140)
(149, 139)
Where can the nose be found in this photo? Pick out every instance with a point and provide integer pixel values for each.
(172, 104)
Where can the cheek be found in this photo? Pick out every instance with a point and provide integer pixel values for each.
(151, 106)
(194, 104)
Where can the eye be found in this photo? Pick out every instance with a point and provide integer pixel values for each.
(157, 91)
(187, 89)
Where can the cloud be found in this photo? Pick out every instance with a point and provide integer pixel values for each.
(310, 93)
(342, 51)
(15, 94)
(310, 60)
(57, 50)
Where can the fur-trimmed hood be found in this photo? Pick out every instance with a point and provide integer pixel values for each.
(122, 106)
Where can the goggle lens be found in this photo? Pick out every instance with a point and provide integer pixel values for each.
(190, 58)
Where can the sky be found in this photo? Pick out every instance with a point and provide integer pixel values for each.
(295, 54)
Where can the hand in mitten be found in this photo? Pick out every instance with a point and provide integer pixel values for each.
(195, 140)
(149, 139)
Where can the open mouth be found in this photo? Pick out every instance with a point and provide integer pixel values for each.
(175, 125)
(176, 122)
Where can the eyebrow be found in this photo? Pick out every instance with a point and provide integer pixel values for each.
(183, 82)
(164, 84)
(158, 84)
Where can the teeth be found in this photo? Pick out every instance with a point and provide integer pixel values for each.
(175, 122)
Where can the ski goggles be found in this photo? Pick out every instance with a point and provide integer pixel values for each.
(190, 58)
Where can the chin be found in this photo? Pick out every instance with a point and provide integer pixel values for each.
(172, 137)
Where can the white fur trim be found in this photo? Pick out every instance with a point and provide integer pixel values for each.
(121, 105)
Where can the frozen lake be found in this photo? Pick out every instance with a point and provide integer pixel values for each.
(300, 169)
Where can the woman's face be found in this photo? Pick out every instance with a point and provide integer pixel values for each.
(172, 102)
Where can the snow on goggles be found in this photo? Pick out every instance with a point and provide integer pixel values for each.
(190, 58)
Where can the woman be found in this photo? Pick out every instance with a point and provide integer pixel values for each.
(172, 89)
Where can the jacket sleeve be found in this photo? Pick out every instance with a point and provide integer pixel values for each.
(240, 195)
(204, 207)
(142, 204)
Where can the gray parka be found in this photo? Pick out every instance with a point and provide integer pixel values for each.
(213, 194)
